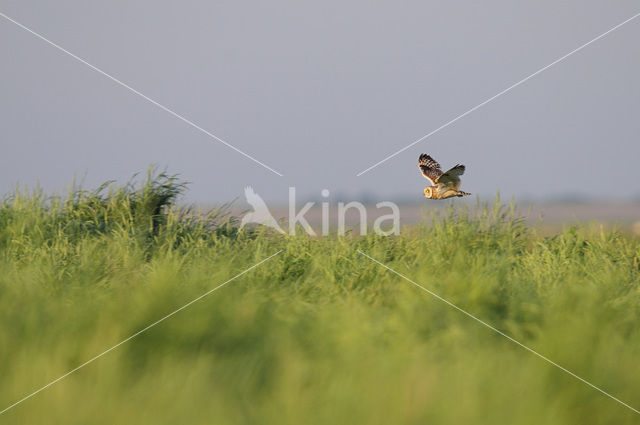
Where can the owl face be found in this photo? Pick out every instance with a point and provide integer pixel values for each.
(428, 192)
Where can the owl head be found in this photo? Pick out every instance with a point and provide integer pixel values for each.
(428, 192)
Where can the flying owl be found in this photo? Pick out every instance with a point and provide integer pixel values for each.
(443, 185)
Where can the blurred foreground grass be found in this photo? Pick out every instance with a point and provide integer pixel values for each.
(319, 334)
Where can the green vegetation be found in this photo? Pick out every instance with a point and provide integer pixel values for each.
(319, 334)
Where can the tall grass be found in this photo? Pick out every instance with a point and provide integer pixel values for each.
(318, 334)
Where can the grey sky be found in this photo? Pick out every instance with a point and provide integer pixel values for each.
(320, 91)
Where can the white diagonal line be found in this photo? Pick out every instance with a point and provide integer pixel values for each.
(497, 95)
(145, 97)
(137, 333)
(500, 332)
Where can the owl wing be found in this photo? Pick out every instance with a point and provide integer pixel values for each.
(451, 178)
(429, 168)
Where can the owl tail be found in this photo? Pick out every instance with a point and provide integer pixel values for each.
(461, 193)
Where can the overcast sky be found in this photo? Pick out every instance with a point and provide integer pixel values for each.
(321, 91)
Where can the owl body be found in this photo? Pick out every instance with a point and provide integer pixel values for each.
(443, 185)
(442, 192)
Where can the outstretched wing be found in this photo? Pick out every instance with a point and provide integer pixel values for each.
(254, 199)
(429, 167)
(451, 179)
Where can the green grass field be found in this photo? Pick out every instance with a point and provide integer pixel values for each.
(318, 334)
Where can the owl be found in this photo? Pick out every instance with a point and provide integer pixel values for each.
(444, 185)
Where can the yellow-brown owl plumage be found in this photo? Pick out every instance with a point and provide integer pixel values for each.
(443, 185)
